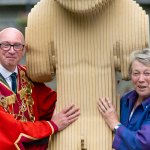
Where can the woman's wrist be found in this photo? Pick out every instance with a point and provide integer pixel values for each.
(116, 127)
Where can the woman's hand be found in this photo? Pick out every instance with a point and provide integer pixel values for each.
(108, 112)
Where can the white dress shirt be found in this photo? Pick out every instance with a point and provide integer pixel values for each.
(6, 74)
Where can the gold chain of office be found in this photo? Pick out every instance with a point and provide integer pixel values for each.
(26, 103)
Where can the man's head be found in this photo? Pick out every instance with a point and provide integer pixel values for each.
(11, 48)
(80, 6)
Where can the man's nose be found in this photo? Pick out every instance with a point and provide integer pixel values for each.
(12, 49)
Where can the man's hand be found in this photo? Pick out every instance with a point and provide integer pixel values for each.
(66, 117)
(108, 112)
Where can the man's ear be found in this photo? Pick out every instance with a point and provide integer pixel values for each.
(24, 49)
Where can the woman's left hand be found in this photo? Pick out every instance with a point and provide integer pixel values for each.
(108, 112)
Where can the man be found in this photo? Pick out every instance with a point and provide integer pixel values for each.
(26, 108)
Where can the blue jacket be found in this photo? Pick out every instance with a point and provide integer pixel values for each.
(134, 134)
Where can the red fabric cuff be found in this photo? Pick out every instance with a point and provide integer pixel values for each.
(54, 126)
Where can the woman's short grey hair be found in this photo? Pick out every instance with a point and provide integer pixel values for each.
(143, 56)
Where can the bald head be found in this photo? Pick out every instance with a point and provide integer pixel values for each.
(10, 32)
(11, 48)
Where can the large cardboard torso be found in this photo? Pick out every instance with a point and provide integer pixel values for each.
(87, 48)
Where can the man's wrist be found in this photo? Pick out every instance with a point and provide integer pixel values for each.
(116, 127)
(54, 126)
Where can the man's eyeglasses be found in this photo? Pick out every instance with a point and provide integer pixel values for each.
(7, 46)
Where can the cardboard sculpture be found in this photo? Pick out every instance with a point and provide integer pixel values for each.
(85, 41)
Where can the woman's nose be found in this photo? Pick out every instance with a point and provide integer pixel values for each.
(141, 77)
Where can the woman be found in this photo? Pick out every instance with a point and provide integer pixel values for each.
(132, 132)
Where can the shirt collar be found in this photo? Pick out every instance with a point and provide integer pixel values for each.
(5, 73)
(146, 103)
(132, 97)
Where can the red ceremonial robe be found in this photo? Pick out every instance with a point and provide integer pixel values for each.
(25, 115)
